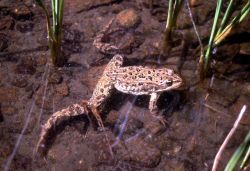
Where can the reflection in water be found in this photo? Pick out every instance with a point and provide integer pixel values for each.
(44, 79)
(10, 158)
(27, 120)
(124, 123)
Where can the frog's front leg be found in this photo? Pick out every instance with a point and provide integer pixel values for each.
(153, 107)
(153, 102)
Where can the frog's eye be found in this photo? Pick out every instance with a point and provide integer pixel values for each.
(169, 83)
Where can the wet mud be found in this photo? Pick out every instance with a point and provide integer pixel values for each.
(199, 115)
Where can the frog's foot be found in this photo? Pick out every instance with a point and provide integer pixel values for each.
(159, 117)
(154, 109)
(98, 118)
(162, 120)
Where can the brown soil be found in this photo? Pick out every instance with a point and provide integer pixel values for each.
(199, 115)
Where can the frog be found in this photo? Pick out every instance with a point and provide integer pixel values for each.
(134, 80)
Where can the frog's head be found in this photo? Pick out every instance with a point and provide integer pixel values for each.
(171, 80)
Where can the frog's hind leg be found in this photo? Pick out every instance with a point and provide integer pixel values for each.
(115, 63)
(154, 109)
(97, 116)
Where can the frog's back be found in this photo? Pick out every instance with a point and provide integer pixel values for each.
(140, 80)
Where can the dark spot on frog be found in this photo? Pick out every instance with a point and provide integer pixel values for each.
(130, 73)
(157, 74)
(134, 77)
(137, 69)
(141, 76)
(101, 90)
(140, 84)
(149, 72)
(150, 78)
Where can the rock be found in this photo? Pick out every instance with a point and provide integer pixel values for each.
(55, 78)
(116, 8)
(141, 153)
(101, 146)
(26, 66)
(128, 18)
(244, 48)
(21, 12)
(41, 60)
(173, 60)
(5, 148)
(3, 42)
(7, 23)
(149, 49)
(62, 89)
(79, 5)
(72, 36)
(246, 89)
(24, 27)
(8, 110)
(120, 166)
(131, 126)
(4, 9)
(201, 14)
(190, 65)
(40, 100)
(8, 94)
(51, 97)
(236, 108)
(112, 118)
(227, 52)
(183, 20)
(195, 3)
(91, 76)
(19, 81)
(154, 128)
(1, 115)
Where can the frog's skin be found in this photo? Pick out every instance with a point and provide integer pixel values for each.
(136, 80)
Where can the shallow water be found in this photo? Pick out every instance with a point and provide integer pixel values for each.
(199, 115)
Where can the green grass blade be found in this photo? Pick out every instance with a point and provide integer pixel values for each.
(41, 4)
(53, 15)
(212, 35)
(245, 158)
(237, 19)
(238, 154)
(227, 16)
(177, 8)
(61, 9)
(170, 14)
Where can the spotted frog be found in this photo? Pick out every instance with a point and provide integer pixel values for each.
(135, 80)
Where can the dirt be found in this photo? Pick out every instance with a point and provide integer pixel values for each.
(199, 115)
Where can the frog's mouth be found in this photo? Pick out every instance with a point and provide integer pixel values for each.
(177, 81)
